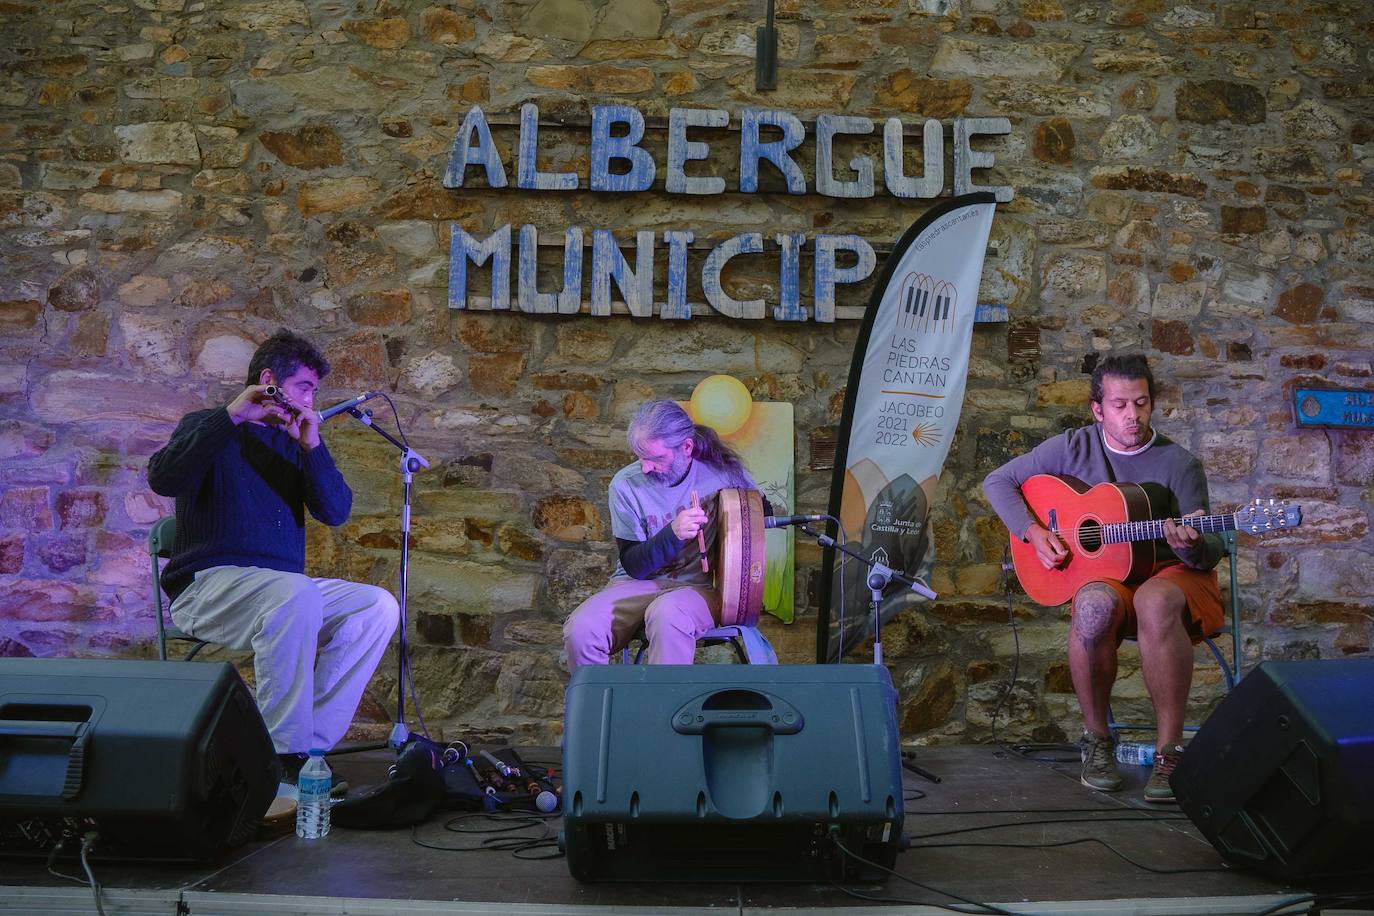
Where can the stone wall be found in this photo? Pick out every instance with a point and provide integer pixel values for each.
(178, 178)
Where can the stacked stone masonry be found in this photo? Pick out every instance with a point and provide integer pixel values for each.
(180, 177)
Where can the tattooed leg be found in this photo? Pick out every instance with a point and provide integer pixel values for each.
(1093, 638)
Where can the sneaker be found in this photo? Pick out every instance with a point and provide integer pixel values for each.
(1157, 789)
(1099, 762)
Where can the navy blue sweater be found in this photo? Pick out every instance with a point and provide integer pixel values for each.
(241, 494)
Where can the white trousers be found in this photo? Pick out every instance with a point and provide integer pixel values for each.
(287, 620)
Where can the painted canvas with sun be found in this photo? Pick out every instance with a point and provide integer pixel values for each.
(762, 433)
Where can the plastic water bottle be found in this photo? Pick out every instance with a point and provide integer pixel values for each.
(312, 801)
(1128, 752)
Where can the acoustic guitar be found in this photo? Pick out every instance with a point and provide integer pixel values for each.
(1109, 529)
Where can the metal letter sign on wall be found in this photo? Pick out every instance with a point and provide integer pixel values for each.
(1347, 408)
(619, 164)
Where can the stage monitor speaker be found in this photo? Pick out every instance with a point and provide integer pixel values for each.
(162, 760)
(1280, 777)
(731, 773)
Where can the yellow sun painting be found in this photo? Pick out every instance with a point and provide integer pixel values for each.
(762, 433)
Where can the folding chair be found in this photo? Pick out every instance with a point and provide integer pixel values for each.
(751, 647)
(160, 540)
(1230, 671)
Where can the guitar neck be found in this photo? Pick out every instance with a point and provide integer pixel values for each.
(1121, 532)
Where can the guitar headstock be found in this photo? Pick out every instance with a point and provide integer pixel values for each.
(1267, 515)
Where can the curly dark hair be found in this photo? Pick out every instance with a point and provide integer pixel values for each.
(285, 352)
(1123, 365)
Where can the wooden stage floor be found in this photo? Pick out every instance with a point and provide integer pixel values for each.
(1060, 862)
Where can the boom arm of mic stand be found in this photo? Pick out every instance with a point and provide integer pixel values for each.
(915, 584)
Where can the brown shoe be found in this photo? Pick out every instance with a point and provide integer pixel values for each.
(1099, 762)
(1157, 789)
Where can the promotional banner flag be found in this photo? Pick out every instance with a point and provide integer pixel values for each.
(901, 407)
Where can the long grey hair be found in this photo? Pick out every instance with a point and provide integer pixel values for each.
(665, 421)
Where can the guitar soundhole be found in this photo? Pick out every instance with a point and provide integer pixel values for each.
(1090, 535)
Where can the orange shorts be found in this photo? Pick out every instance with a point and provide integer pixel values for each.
(1199, 589)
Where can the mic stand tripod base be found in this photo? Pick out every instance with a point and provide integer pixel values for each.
(909, 763)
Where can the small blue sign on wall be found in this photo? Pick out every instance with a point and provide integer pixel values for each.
(1347, 408)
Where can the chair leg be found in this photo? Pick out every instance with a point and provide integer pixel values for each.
(757, 650)
(740, 653)
(749, 644)
(1227, 674)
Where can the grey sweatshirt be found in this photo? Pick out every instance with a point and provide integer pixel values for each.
(1169, 473)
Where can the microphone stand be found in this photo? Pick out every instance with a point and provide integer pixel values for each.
(410, 462)
(880, 576)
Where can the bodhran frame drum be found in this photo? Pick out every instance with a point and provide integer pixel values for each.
(740, 564)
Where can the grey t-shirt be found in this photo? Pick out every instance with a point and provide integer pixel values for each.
(640, 508)
(1169, 473)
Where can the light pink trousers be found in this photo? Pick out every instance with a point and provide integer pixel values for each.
(672, 614)
(315, 643)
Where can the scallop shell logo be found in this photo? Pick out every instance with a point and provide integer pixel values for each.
(927, 434)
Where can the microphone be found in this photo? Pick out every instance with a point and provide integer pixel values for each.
(498, 764)
(780, 521)
(922, 589)
(347, 405)
(544, 800)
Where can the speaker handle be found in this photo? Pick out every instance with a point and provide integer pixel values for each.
(76, 757)
(737, 708)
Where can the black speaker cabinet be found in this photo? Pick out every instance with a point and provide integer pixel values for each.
(731, 773)
(1280, 777)
(163, 760)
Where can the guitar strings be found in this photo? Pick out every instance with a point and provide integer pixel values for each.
(1091, 537)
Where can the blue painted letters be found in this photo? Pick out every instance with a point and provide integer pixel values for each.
(751, 149)
(608, 263)
(827, 274)
(606, 147)
(746, 243)
(462, 248)
(827, 126)
(464, 153)
(527, 174)
(932, 147)
(680, 150)
(677, 305)
(568, 300)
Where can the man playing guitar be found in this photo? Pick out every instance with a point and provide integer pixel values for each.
(1177, 605)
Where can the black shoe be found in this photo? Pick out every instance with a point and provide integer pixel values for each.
(291, 765)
